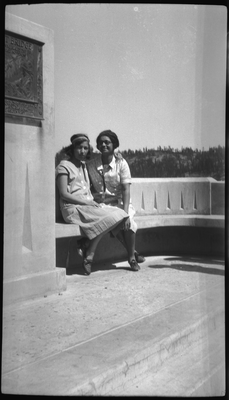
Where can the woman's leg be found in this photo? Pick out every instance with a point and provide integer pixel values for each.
(120, 236)
(90, 251)
(127, 242)
(129, 237)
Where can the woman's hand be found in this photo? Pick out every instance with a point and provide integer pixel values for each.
(126, 224)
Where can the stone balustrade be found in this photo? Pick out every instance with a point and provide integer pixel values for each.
(172, 196)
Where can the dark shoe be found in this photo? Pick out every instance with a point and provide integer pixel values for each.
(87, 266)
(134, 265)
(138, 257)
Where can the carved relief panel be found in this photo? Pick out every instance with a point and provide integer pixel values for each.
(23, 77)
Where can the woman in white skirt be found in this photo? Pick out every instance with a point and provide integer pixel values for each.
(110, 184)
(76, 201)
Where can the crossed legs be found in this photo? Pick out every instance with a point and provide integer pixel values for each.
(127, 238)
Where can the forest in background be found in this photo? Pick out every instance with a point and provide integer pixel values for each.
(168, 162)
(172, 163)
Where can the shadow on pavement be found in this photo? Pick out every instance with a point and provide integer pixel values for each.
(201, 260)
(191, 268)
(104, 267)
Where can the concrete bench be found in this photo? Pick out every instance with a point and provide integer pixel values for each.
(166, 203)
(154, 231)
(64, 230)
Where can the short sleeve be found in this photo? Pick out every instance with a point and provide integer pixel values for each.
(61, 170)
(125, 175)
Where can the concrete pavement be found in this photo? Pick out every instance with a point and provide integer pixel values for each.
(114, 326)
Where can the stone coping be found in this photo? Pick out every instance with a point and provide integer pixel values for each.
(153, 221)
(175, 179)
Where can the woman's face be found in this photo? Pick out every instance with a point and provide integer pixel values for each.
(81, 150)
(105, 145)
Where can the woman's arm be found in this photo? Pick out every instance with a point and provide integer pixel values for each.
(126, 201)
(126, 196)
(62, 183)
(125, 181)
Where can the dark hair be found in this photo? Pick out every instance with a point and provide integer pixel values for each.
(79, 138)
(113, 137)
(68, 151)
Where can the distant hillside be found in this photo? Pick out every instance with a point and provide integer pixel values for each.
(167, 162)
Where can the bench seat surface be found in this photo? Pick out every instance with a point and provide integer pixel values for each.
(150, 221)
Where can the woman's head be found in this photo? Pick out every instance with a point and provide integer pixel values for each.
(107, 139)
(79, 148)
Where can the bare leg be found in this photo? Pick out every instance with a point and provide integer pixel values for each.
(129, 237)
(121, 238)
(90, 252)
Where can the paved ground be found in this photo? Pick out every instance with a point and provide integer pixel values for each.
(98, 306)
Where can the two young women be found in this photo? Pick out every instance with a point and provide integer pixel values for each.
(110, 184)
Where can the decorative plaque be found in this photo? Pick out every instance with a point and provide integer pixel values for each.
(23, 77)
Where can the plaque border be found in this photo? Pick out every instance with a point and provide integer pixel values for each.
(37, 102)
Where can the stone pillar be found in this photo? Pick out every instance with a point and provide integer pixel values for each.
(29, 192)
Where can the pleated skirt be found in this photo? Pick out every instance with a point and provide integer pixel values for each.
(94, 220)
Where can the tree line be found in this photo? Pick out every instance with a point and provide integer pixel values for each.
(168, 162)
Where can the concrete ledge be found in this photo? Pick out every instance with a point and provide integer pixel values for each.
(150, 221)
(67, 230)
(94, 367)
(36, 285)
(205, 221)
(218, 198)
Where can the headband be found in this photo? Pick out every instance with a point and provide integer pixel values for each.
(79, 136)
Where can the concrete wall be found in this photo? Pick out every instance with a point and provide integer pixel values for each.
(218, 198)
(29, 192)
(178, 196)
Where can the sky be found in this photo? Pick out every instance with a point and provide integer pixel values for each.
(155, 74)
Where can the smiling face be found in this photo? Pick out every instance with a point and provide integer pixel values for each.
(81, 150)
(105, 145)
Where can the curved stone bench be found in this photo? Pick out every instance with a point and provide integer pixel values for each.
(157, 234)
(179, 204)
(64, 230)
